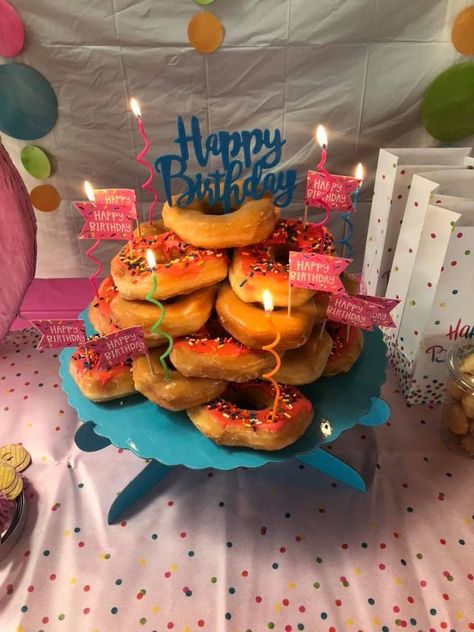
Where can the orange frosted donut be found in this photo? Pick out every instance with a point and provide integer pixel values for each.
(306, 364)
(212, 353)
(243, 416)
(252, 327)
(99, 309)
(100, 385)
(209, 227)
(183, 314)
(345, 351)
(265, 265)
(180, 267)
(175, 392)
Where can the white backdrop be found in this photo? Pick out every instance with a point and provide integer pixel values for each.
(358, 66)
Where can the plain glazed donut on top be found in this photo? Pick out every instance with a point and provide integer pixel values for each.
(252, 327)
(208, 227)
(176, 393)
(183, 314)
(345, 351)
(213, 353)
(180, 269)
(306, 364)
(243, 416)
(265, 265)
(99, 308)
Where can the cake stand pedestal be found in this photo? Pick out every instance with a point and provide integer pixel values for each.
(169, 439)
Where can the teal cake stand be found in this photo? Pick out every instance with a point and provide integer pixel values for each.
(169, 439)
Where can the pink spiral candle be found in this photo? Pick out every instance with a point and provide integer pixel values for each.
(146, 186)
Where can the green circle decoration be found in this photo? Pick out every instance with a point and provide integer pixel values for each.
(447, 108)
(36, 161)
(203, 1)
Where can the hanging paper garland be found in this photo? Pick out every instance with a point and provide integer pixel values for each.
(28, 107)
(12, 33)
(205, 32)
(45, 198)
(36, 161)
(447, 108)
(463, 32)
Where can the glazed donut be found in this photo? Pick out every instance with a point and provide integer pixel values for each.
(99, 308)
(100, 385)
(180, 269)
(177, 392)
(146, 230)
(209, 227)
(212, 353)
(344, 352)
(242, 416)
(183, 314)
(306, 364)
(252, 327)
(265, 265)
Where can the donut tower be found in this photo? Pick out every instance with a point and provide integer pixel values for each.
(210, 272)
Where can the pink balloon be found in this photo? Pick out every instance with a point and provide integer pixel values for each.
(17, 241)
(12, 33)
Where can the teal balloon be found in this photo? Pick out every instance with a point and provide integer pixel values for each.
(447, 108)
(28, 104)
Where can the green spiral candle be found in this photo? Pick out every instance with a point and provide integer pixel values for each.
(150, 257)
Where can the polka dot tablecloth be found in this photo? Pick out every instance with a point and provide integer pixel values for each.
(281, 548)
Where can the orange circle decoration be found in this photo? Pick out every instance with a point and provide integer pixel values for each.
(463, 32)
(205, 32)
(45, 198)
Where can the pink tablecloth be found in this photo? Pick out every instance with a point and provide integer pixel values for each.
(281, 548)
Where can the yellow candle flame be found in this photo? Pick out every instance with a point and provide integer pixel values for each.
(134, 106)
(150, 258)
(359, 172)
(267, 299)
(89, 191)
(321, 136)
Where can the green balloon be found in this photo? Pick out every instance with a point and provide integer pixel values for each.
(36, 161)
(203, 1)
(447, 108)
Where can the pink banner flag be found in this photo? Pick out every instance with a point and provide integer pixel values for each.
(317, 272)
(60, 333)
(105, 221)
(350, 311)
(335, 193)
(125, 198)
(118, 347)
(380, 309)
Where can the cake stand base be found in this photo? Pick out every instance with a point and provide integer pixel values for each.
(154, 472)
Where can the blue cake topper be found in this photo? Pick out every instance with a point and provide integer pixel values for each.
(254, 152)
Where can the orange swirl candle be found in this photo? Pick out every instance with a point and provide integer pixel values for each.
(268, 306)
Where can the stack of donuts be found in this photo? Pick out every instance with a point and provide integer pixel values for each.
(211, 271)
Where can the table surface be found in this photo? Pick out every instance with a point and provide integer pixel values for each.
(281, 548)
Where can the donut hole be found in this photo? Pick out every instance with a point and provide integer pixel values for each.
(250, 397)
(280, 253)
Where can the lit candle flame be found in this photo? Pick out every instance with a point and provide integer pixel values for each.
(89, 191)
(359, 172)
(135, 108)
(321, 136)
(150, 258)
(267, 301)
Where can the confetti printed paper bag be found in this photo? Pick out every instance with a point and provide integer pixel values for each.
(433, 276)
(395, 170)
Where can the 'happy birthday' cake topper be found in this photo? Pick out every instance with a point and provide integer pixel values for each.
(249, 156)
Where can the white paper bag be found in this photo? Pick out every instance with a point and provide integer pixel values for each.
(433, 276)
(395, 170)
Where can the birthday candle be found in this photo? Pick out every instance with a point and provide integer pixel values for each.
(150, 257)
(140, 158)
(348, 228)
(268, 306)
